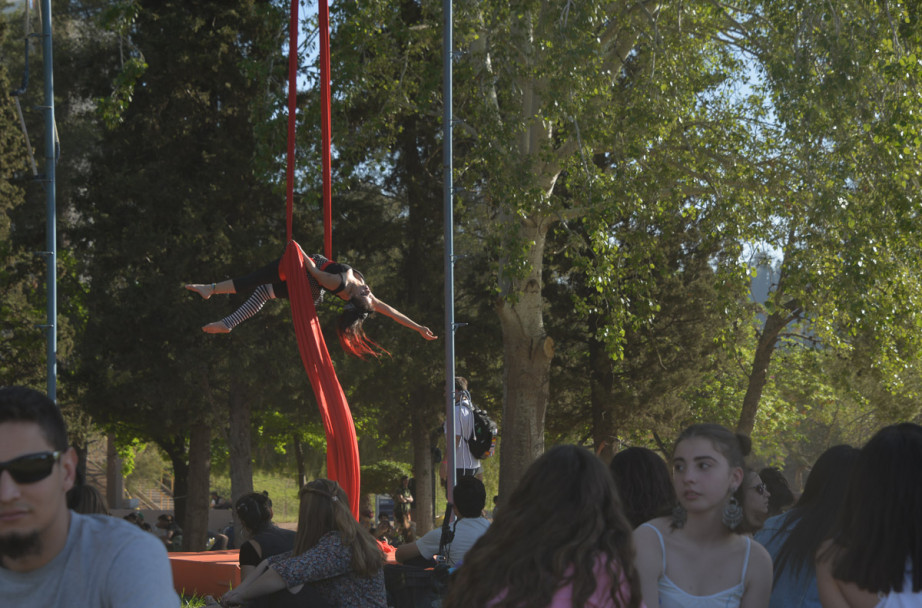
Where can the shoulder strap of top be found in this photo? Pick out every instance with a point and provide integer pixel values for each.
(662, 546)
(746, 561)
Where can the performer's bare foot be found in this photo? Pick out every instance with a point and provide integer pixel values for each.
(206, 291)
(218, 327)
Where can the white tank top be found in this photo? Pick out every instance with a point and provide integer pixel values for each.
(671, 596)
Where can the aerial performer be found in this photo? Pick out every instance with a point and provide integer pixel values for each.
(341, 280)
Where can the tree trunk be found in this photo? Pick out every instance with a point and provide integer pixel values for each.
(299, 460)
(422, 471)
(114, 481)
(239, 444)
(195, 524)
(527, 354)
(600, 399)
(176, 450)
(759, 374)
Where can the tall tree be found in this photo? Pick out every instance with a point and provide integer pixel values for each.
(178, 190)
(843, 82)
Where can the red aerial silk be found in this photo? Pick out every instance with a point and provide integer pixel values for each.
(342, 446)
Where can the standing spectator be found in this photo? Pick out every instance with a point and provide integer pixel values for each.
(561, 539)
(336, 560)
(465, 463)
(469, 499)
(264, 538)
(696, 558)
(793, 538)
(643, 483)
(403, 499)
(874, 555)
(53, 557)
(780, 495)
(172, 536)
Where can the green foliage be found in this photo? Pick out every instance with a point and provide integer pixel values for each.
(383, 476)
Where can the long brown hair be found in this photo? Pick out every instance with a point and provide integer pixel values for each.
(325, 508)
(569, 497)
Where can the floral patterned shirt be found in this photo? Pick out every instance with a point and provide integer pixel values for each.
(327, 566)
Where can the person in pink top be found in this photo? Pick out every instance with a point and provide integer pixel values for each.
(561, 540)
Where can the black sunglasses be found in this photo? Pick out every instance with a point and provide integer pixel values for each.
(31, 467)
(760, 489)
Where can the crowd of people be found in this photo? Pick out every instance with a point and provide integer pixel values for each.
(573, 532)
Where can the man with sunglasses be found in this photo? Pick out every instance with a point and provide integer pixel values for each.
(51, 556)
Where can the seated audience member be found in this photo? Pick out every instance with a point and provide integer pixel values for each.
(265, 539)
(874, 555)
(217, 502)
(753, 496)
(172, 536)
(87, 500)
(793, 537)
(780, 495)
(643, 483)
(51, 556)
(469, 499)
(335, 562)
(561, 539)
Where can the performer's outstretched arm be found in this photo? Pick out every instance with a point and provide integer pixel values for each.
(389, 311)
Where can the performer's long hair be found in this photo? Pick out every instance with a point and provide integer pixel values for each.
(560, 523)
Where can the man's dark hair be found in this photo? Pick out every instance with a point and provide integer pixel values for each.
(21, 404)
(460, 383)
(470, 497)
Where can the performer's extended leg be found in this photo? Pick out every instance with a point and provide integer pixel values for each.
(261, 295)
(267, 274)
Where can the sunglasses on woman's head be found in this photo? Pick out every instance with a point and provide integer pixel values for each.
(31, 467)
(760, 489)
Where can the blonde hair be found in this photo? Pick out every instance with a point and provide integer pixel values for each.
(325, 508)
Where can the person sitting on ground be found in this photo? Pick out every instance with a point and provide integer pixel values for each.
(643, 483)
(172, 536)
(218, 502)
(753, 495)
(694, 557)
(340, 280)
(51, 556)
(335, 562)
(469, 498)
(793, 537)
(780, 495)
(873, 557)
(560, 540)
(264, 538)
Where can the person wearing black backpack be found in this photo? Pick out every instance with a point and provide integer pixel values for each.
(465, 462)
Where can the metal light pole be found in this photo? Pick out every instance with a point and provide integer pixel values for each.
(50, 253)
(450, 421)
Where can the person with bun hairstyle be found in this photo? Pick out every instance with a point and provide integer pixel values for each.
(695, 557)
(264, 538)
(560, 541)
(340, 280)
(873, 557)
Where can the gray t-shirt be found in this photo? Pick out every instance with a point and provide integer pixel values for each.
(106, 563)
(467, 531)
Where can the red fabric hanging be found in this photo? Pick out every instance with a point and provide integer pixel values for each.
(342, 446)
(323, 11)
